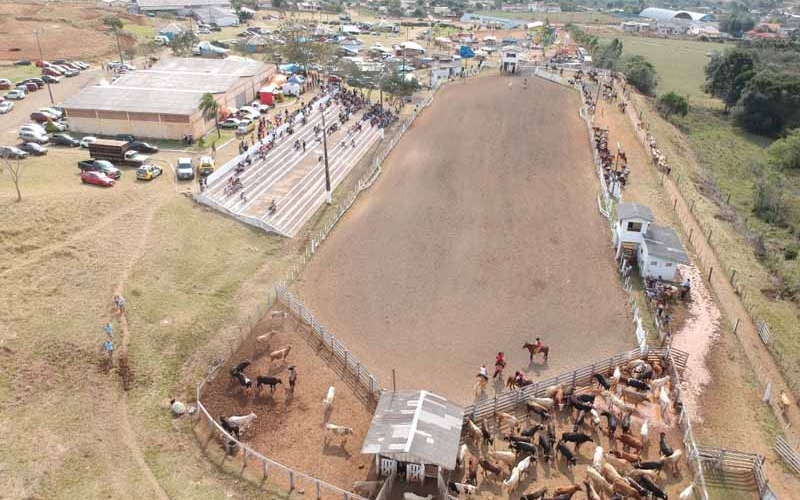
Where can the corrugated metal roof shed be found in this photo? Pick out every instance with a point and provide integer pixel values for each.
(634, 211)
(165, 80)
(178, 5)
(415, 426)
(235, 66)
(663, 242)
(116, 98)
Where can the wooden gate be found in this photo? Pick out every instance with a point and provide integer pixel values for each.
(415, 473)
(388, 467)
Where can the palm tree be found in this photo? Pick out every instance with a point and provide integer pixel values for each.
(210, 109)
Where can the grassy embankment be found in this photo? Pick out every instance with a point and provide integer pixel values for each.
(718, 157)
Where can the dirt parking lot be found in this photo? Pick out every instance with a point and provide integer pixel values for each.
(482, 233)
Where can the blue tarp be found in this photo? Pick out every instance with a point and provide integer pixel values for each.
(466, 52)
(289, 68)
(297, 79)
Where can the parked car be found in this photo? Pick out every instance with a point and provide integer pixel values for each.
(33, 148)
(205, 166)
(22, 62)
(230, 123)
(125, 137)
(42, 117)
(36, 80)
(12, 152)
(50, 79)
(15, 94)
(51, 71)
(33, 127)
(6, 106)
(148, 172)
(246, 126)
(85, 141)
(32, 136)
(103, 166)
(64, 140)
(5, 84)
(81, 64)
(97, 178)
(184, 169)
(42, 64)
(144, 147)
(58, 113)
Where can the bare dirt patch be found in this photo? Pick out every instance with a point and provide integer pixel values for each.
(483, 233)
(66, 31)
(290, 427)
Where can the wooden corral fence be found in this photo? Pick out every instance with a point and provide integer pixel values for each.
(788, 454)
(339, 357)
(513, 401)
(386, 488)
(744, 470)
(281, 476)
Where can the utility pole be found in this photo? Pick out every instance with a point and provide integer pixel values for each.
(41, 56)
(328, 197)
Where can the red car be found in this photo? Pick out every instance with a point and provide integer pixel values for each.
(42, 117)
(51, 72)
(98, 178)
(42, 64)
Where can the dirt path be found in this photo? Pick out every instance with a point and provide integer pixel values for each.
(128, 436)
(731, 399)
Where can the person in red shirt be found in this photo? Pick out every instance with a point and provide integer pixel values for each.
(499, 364)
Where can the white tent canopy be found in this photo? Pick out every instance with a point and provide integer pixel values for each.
(412, 46)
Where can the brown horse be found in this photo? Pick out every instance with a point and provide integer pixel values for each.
(512, 383)
(533, 350)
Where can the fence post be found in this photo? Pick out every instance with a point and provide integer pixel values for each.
(291, 480)
(318, 495)
(266, 469)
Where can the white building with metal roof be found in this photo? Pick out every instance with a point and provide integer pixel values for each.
(162, 102)
(417, 429)
(182, 8)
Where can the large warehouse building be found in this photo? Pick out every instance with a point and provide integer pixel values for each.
(162, 102)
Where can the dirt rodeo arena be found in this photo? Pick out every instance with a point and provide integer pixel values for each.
(481, 235)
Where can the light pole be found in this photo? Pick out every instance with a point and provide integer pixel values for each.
(41, 58)
(328, 197)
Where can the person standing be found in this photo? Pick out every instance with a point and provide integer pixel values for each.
(108, 347)
(292, 377)
(109, 330)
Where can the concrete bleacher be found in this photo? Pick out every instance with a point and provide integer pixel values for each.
(293, 178)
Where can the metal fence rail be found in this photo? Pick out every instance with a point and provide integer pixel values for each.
(788, 454)
(278, 474)
(746, 469)
(511, 402)
(353, 372)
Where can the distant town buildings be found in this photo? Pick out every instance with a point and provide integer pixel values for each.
(531, 7)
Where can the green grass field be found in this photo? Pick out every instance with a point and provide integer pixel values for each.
(16, 73)
(679, 63)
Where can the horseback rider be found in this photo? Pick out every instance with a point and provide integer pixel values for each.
(537, 346)
(483, 373)
(499, 364)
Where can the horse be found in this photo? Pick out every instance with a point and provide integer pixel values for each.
(532, 349)
(512, 383)
(480, 385)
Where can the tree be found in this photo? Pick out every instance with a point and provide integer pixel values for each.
(398, 86)
(736, 24)
(640, 73)
(728, 74)
(769, 196)
(115, 25)
(770, 103)
(607, 56)
(303, 50)
(785, 152)
(672, 103)
(183, 43)
(209, 107)
(14, 169)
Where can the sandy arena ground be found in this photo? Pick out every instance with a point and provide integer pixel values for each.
(482, 233)
(290, 429)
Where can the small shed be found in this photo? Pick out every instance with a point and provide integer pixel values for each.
(414, 429)
(660, 253)
(216, 15)
(509, 56)
(256, 43)
(410, 49)
(631, 224)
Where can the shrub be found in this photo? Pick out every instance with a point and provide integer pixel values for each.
(640, 73)
(672, 103)
(790, 253)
